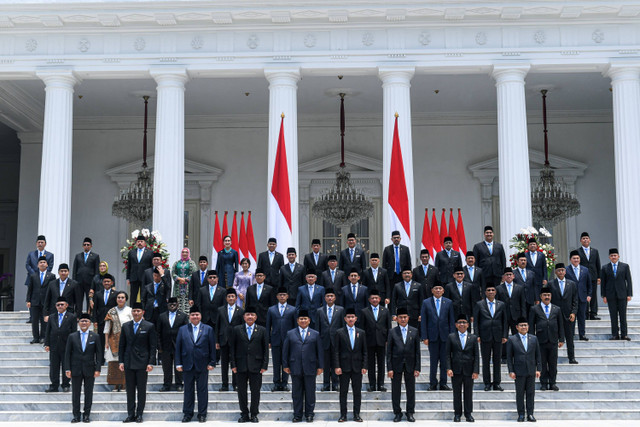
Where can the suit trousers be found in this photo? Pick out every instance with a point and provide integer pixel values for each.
(135, 289)
(525, 385)
(462, 382)
(592, 309)
(549, 356)
(224, 365)
(618, 309)
(329, 376)
(136, 380)
(582, 316)
(569, 332)
(83, 296)
(396, 391)
(355, 378)
(376, 354)
(254, 381)
(76, 387)
(280, 377)
(491, 352)
(195, 381)
(56, 357)
(168, 368)
(303, 391)
(38, 327)
(437, 354)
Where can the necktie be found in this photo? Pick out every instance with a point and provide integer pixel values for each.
(490, 245)
(292, 266)
(374, 271)
(576, 270)
(155, 294)
(462, 340)
(106, 296)
(316, 257)
(333, 275)
(586, 252)
(424, 268)
(62, 285)
(202, 277)
(438, 306)
(329, 314)
(86, 255)
(84, 341)
(210, 292)
(270, 257)
(249, 332)
(534, 258)
(311, 292)
(135, 327)
(407, 288)
(491, 308)
(397, 260)
(354, 290)
(172, 318)
(281, 310)
(615, 270)
(351, 256)
(460, 288)
(546, 311)
(562, 287)
(41, 277)
(352, 338)
(471, 273)
(195, 333)
(304, 334)
(259, 290)
(375, 313)
(449, 254)
(230, 313)
(139, 255)
(509, 289)
(524, 274)
(60, 315)
(404, 335)
(524, 341)
(40, 254)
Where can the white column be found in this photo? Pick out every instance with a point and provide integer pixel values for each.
(625, 81)
(513, 152)
(396, 97)
(54, 213)
(168, 168)
(283, 91)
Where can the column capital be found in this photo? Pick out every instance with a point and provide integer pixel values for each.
(396, 75)
(618, 71)
(283, 76)
(30, 138)
(510, 72)
(170, 76)
(64, 79)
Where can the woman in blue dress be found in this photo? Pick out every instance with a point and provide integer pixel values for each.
(227, 265)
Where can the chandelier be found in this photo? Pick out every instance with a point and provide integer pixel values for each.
(551, 201)
(135, 204)
(343, 204)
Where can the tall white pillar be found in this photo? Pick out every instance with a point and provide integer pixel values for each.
(283, 91)
(168, 167)
(625, 81)
(54, 212)
(396, 98)
(513, 152)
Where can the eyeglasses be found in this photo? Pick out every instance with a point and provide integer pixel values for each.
(60, 304)
(86, 244)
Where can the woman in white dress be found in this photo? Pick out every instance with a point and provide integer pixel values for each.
(114, 320)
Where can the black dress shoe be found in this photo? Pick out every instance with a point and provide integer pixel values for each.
(187, 418)
(544, 387)
(626, 338)
(28, 321)
(382, 389)
(456, 418)
(310, 419)
(243, 419)
(357, 418)
(397, 418)
(583, 338)
(66, 388)
(470, 419)
(531, 418)
(487, 387)
(202, 418)
(371, 388)
(433, 388)
(520, 418)
(445, 387)
(41, 341)
(325, 388)
(75, 420)
(554, 387)
(34, 341)
(296, 419)
(573, 362)
(165, 388)
(254, 419)
(139, 419)
(51, 389)
(285, 388)
(235, 388)
(86, 419)
(335, 388)
(595, 318)
(224, 388)
(614, 338)
(342, 418)
(129, 420)
(179, 387)
(410, 418)
(497, 387)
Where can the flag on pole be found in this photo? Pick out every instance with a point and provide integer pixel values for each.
(234, 233)
(244, 247)
(435, 236)
(217, 242)
(280, 217)
(452, 231)
(398, 198)
(443, 228)
(462, 240)
(251, 245)
(225, 229)
(426, 236)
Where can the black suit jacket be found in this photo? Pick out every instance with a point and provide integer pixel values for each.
(262, 304)
(413, 303)
(516, 305)
(462, 304)
(223, 326)
(492, 264)
(85, 362)
(389, 259)
(32, 264)
(209, 307)
(531, 287)
(401, 356)
(83, 272)
(100, 309)
(36, 292)
(377, 331)
(549, 330)
(138, 350)
(539, 269)
(328, 331)
(361, 301)
(380, 283)
(310, 262)
(346, 358)
(271, 270)
(195, 355)
(149, 297)
(56, 336)
(278, 326)
(359, 260)
(166, 280)
(593, 263)
(337, 285)
(196, 282)
(166, 333)
(490, 329)
(478, 282)
(249, 355)
(617, 287)
(568, 302)
(463, 361)
(520, 361)
(70, 293)
(447, 264)
(427, 281)
(292, 281)
(135, 269)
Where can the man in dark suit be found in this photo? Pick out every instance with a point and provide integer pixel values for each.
(154, 298)
(195, 357)
(579, 274)
(376, 323)
(303, 359)
(32, 262)
(617, 290)
(36, 295)
(138, 260)
(354, 295)
(513, 295)
(426, 274)
(490, 324)
(408, 294)
(62, 287)
(566, 297)
(198, 278)
(85, 268)
(349, 358)
(270, 262)
(261, 296)
(396, 258)
(353, 256)
(375, 277)
(59, 327)
(537, 263)
(229, 316)
(525, 277)
(590, 258)
(136, 355)
(330, 319)
(315, 260)
(460, 294)
(524, 363)
(310, 297)
(165, 274)
(490, 257)
(463, 366)
(333, 277)
(403, 359)
(83, 358)
(546, 323)
(473, 275)
(281, 318)
(437, 322)
(104, 300)
(168, 325)
(448, 261)
(210, 298)
(292, 275)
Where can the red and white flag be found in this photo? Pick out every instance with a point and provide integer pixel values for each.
(452, 231)
(435, 236)
(426, 236)
(443, 228)
(234, 233)
(251, 244)
(462, 240)
(280, 220)
(217, 243)
(398, 199)
(225, 229)
(244, 247)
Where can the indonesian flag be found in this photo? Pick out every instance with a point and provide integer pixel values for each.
(426, 236)
(251, 244)
(452, 231)
(443, 228)
(225, 229)
(435, 236)
(244, 247)
(398, 196)
(234, 233)
(462, 240)
(217, 242)
(280, 217)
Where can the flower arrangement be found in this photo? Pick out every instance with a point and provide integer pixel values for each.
(519, 243)
(154, 242)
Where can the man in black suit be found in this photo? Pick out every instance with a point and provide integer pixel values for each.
(136, 355)
(83, 358)
(229, 316)
(617, 290)
(249, 354)
(260, 296)
(59, 327)
(85, 268)
(448, 261)
(403, 359)
(460, 294)
(376, 323)
(195, 357)
(546, 323)
(198, 278)
(490, 257)
(316, 260)
(154, 298)
(566, 297)
(281, 318)
(436, 323)
(165, 274)
(210, 298)
(310, 297)
(303, 359)
(473, 275)
(526, 278)
(62, 287)
(396, 258)
(349, 358)
(579, 274)
(270, 262)
(36, 295)
(354, 295)
(168, 325)
(353, 256)
(513, 295)
(292, 275)
(375, 277)
(426, 274)
(490, 324)
(408, 294)
(330, 319)
(524, 363)
(333, 277)
(590, 258)
(33, 258)
(103, 301)
(138, 260)
(463, 366)
(537, 263)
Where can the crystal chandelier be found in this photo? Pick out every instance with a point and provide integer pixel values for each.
(343, 204)
(551, 202)
(135, 204)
